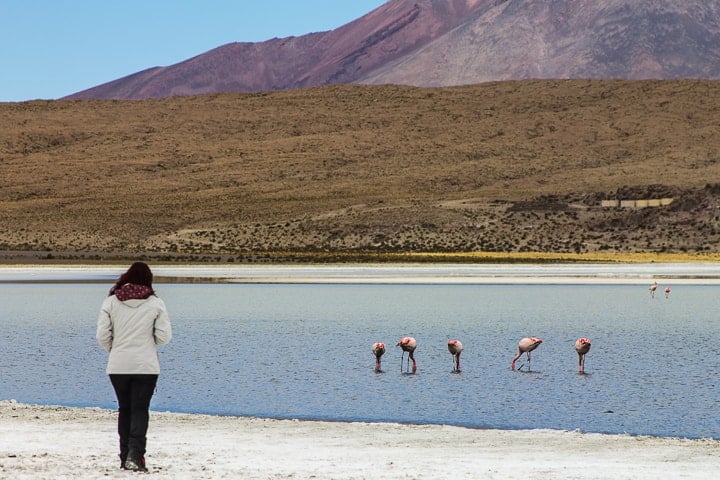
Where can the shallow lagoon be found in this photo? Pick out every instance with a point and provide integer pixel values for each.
(302, 350)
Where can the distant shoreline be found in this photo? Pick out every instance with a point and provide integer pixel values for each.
(60, 258)
(380, 273)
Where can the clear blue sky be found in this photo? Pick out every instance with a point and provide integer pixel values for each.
(52, 48)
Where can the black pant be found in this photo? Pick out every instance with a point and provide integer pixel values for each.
(133, 393)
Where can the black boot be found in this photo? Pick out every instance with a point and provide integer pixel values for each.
(135, 465)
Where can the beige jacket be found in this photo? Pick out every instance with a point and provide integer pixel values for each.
(130, 330)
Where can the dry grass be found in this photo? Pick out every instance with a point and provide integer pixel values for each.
(362, 171)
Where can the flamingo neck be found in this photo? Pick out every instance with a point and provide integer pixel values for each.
(515, 358)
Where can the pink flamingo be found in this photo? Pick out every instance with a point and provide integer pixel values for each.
(667, 292)
(652, 289)
(408, 344)
(526, 345)
(582, 346)
(455, 347)
(378, 349)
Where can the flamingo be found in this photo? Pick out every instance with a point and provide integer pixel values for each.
(408, 344)
(582, 346)
(652, 289)
(378, 349)
(526, 345)
(455, 347)
(667, 292)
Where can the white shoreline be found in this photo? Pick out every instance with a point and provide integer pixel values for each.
(599, 273)
(61, 442)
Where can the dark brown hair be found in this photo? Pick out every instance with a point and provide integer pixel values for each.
(139, 274)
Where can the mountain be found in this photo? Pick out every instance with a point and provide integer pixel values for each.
(560, 39)
(457, 42)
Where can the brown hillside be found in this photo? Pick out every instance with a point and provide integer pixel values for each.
(511, 166)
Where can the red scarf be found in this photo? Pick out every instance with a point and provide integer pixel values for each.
(131, 291)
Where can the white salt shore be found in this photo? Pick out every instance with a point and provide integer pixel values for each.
(48, 442)
(642, 273)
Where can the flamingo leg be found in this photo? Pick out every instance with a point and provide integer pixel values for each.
(402, 359)
(528, 360)
(456, 363)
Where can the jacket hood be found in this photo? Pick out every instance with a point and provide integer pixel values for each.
(134, 302)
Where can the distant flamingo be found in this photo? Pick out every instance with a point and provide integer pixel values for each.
(455, 347)
(582, 346)
(652, 289)
(378, 349)
(667, 292)
(526, 345)
(408, 344)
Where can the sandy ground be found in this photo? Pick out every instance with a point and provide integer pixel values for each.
(48, 442)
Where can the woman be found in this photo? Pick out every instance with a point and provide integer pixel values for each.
(131, 323)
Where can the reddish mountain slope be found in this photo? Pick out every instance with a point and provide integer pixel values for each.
(339, 56)
(628, 39)
(454, 42)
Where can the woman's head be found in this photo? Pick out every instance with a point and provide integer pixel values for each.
(139, 274)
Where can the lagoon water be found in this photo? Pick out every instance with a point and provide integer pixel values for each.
(302, 350)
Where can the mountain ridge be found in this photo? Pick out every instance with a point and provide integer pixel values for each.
(456, 42)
